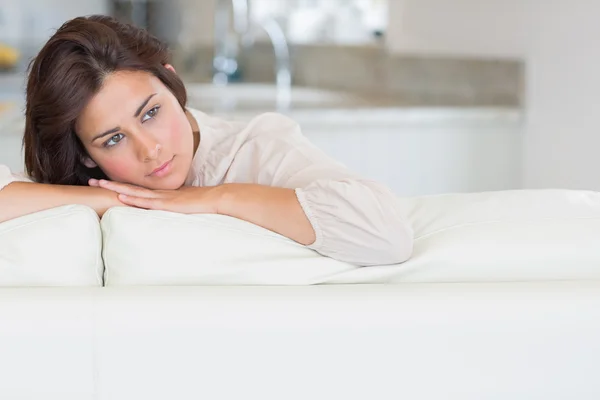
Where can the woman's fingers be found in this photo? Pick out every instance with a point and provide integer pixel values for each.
(142, 202)
(129, 190)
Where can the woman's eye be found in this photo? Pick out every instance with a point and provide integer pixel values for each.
(113, 140)
(151, 113)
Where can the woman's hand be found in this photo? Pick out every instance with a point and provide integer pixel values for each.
(186, 200)
(273, 208)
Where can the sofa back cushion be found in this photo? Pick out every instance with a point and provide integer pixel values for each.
(520, 235)
(146, 247)
(56, 247)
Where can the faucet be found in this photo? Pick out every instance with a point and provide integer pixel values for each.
(225, 62)
(283, 74)
(225, 59)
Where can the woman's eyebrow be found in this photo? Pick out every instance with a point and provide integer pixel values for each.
(141, 107)
(137, 113)
(108, 132)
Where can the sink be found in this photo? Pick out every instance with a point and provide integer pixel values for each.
(263, 97)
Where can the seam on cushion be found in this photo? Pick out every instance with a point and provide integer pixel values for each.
(314, 221)
(183, 219)
(106, 234)
(97, 233)
(98, 239)
(500, 221)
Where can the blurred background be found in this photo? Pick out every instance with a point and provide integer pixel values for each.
(428, 96)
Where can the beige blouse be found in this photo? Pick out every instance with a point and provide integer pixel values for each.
(355, 219)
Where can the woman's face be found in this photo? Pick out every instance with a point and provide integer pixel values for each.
(135, 130)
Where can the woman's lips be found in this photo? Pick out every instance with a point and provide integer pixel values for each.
(163, 169)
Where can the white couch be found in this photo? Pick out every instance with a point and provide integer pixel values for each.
(413, 341)
(501, 300)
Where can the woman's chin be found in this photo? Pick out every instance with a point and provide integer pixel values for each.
(170, 183)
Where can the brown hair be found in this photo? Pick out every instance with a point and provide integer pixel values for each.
(68, 71)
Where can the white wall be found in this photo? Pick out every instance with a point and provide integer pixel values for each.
(197, 22)
(493, 28)
(562, 142)
(558, 41)
(33, 21)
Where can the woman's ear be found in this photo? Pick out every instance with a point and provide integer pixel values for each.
(88, 162)
(170, 68)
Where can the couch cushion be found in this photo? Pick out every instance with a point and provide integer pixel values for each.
(147, 247)
(520, 235)
(56, 247)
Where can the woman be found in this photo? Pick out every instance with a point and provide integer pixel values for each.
(107, 125)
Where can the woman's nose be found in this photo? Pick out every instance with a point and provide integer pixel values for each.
(149, 149)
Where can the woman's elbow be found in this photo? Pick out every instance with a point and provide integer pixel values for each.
(399, 253)
(399, 244)
(393, 245)
(396, 235)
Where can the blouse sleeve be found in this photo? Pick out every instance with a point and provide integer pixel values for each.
(355, 220)
(7, 177)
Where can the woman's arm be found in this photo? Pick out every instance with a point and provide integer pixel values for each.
(21, 198)
(354, 219)
(357, 221)
(348, 219)
(273, 208)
